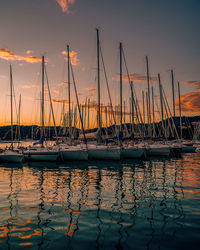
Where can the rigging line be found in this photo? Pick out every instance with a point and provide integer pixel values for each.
(106, 78)
(132, 93)
(74, 83)
(51, 104)
(165, 98)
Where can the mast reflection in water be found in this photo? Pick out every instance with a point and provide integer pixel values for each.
(101, 205)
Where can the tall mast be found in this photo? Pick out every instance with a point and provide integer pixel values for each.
(11, 102)
(69, 99)
(132, 105)
(153, 111)
(19, 113)
(179, 97)
(88, 113)
(173, 95)
(161, 99)
(120, 55)
(42, 104)
(148, 93)
(143, 107)
(143, 100)
(98, 82)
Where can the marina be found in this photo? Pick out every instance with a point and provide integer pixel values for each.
(99, 125)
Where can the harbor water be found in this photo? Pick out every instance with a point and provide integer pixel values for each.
(134, 204)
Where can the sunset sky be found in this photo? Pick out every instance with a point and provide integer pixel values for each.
(165, 31)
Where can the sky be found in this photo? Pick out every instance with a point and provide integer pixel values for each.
(165, 31)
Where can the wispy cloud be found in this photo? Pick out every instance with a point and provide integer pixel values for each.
(138, 78)
(135, 78)
(73, 55)
(190, 102)
(10, 56)
(60, 101)
(3, 77)
(193, 83)
(29, 86)
(65, 5)
(89, 89)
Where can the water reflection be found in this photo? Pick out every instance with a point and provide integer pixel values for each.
(98, 205)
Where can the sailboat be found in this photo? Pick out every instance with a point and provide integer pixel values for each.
(128, 150)
(35, 153)
(9, 155)
(72, 152)
(100, 151)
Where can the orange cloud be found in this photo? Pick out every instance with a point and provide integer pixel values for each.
(73, 55)
(30, 86)
(10, 56)
(136, 78)
(193, 83)
(89, 89)
(65, 5)
(60, 101)
(190, 102)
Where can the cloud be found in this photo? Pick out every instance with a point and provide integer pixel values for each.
(60, 101)
(136, 78)
(28, 52)
(3, 77)
(29, 86)
(89, 89)
(190, 102)
(63, 83)
(10, 56)
(73, 55)
(65, 5)
(193, 83)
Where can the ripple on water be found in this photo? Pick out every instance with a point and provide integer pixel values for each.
(107, 205)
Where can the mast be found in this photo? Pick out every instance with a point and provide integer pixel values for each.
(69, 99)
(11, 103)
(98, 82)
(161, 98)
(143, 102)
(42, 101)
(179, 97)
(148, 93)
(19, 113)
(88, 113)
(173, 94)
(153, 111)
(124, 112)
(132, 106)
(120, 55)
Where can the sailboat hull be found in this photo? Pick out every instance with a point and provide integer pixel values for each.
(126, 153)
(74, 155)
(104, 153)
(189, 149)
(41, 156)
(158, 151)
(15, 158)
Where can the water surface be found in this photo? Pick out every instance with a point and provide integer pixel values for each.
(151, 204)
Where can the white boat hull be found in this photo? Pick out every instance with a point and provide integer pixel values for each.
(158, 151)
(74, 155)
(41, 156)
(132, 153)
(11, 158)
(104, 153)
(189, 149)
